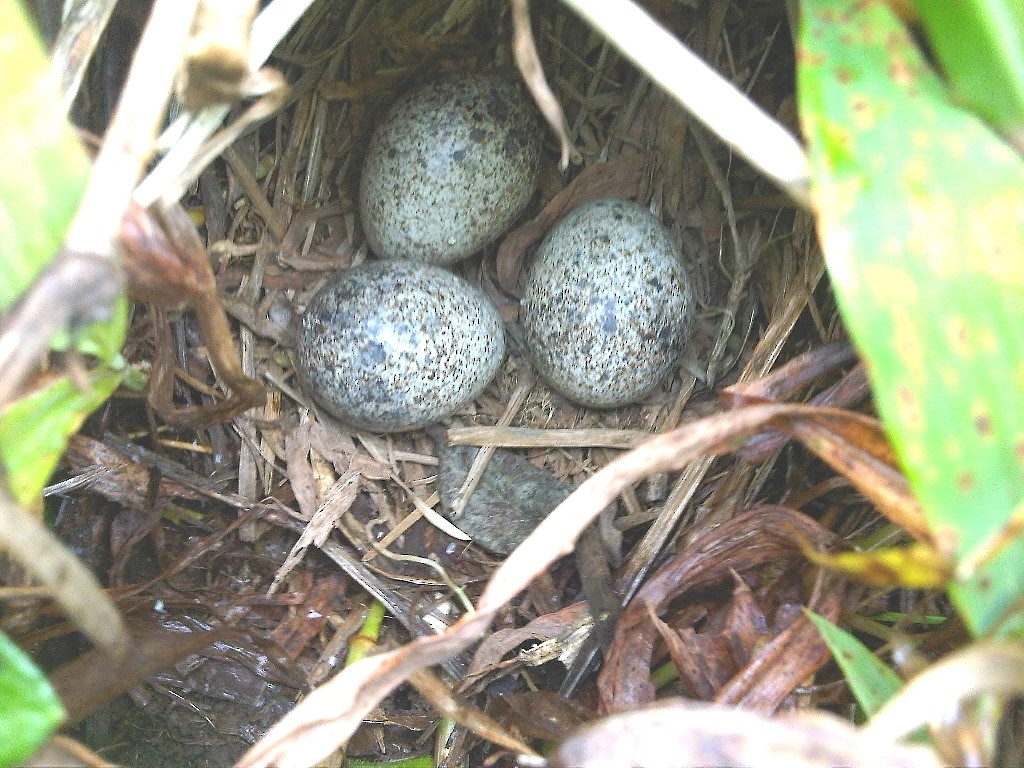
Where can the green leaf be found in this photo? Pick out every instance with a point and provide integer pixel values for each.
(45, 171)
(980, 44)
(920, 208)
(29, 707)
(45, 167)
(34, 429)
(871, 681)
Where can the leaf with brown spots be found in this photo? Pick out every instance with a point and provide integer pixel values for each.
(920, 208)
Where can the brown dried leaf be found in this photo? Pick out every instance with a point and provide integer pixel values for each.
(182, 240)
(852, 388)
(156, 272)
(783, 663)
(117, 478)
(92, 680)
(787, 379)
(749, 539)
(295, 633)
(541, 714)
(334, 446)
(619, 178)
(677, 734)
(698, 658)
(856, 447)
(441, 698)
(492, 650)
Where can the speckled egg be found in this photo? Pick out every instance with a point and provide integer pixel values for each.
(395, 345)
(607, 304)
(449, 169)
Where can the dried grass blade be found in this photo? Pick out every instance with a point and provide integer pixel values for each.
(712, 99)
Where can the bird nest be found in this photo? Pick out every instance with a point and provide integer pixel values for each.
(300, 519)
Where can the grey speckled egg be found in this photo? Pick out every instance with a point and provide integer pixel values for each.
(395, 345)
(449, 169)
(607, 304)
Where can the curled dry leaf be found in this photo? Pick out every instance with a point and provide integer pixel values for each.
(334, 446)
(179, 253)
(541, 714)
(676, 734)
(620, 178)
(90, 681)
(850, 389)
(327, 717)
(784, 381)
(757, 536)
(491, 652)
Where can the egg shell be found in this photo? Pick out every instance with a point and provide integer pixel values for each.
(449, 169)
(607, 304)
(389, 346)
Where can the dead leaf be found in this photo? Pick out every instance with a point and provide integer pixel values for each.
(855, 446)
(760, 535)
(788, 379)
(91, 680)
(541, 714)
(784, 662)
(441, 698)
(677, 734)
(491, 652)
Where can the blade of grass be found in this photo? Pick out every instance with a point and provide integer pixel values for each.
(871, 681)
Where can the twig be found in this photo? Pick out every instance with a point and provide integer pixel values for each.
(523, 437)
(79, 34)
(524, 48)
(192, 131)
(129, 142)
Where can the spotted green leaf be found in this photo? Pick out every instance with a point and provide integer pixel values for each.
(920, 209)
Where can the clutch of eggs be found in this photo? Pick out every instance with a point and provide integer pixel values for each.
(395, 345)
(607, 304)
(450, 167)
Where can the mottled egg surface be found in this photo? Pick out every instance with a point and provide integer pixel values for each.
(395, 345)
(607, 304)
(449, 169)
